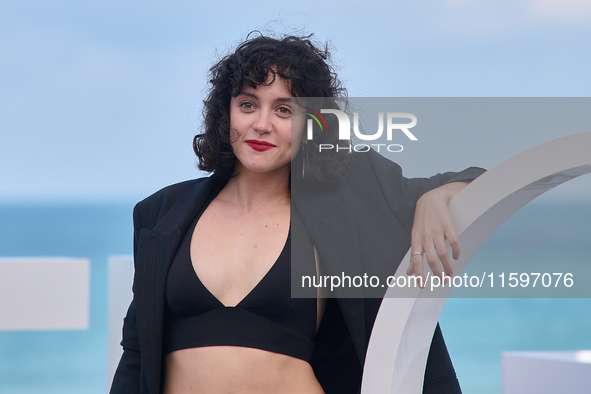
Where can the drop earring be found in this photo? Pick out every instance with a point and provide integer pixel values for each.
(303, 161)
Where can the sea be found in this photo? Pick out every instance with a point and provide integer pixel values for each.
(477, 330)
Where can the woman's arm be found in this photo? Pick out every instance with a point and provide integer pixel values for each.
(432, 227)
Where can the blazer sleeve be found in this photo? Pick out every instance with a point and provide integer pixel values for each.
(127, 375)
(402, 193)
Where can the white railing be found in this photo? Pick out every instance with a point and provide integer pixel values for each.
(403, 329)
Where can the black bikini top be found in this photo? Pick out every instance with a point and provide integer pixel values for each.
(267, 318)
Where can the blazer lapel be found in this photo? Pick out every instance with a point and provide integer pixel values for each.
(156, 250)
(331, 226)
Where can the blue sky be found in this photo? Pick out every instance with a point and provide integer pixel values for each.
(100, 100)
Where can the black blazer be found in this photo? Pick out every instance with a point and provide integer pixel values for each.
(374, 186)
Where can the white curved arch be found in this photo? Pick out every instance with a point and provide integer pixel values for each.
(402, 333)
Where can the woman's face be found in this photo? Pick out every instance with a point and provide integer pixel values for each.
(261, 128)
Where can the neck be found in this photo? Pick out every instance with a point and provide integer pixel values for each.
(251, 190)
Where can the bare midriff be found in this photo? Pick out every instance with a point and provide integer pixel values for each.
(237, 370)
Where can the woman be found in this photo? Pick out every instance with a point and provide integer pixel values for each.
(212, 311)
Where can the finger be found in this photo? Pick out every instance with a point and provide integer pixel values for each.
(451, 237)
(433, 259)
(416, 263)
(415, 246)
(443, 255)
(410, 270)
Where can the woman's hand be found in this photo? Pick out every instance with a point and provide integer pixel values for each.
(432, 227)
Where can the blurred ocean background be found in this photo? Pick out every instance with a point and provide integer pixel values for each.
(63, 361)
(476, 330)
(100, 101)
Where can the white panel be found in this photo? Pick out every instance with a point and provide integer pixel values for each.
(39, 293)
(547, 372)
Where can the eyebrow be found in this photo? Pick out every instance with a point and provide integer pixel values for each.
(279, 99)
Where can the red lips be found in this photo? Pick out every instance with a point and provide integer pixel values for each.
(260, 146)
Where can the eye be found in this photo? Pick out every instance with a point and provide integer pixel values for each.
(246, 105)
(284, 110)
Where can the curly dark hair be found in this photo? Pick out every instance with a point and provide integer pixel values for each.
(306, 69)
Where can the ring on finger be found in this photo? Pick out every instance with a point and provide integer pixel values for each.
(416, 254)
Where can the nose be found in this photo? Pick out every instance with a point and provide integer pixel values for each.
(263, 124)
